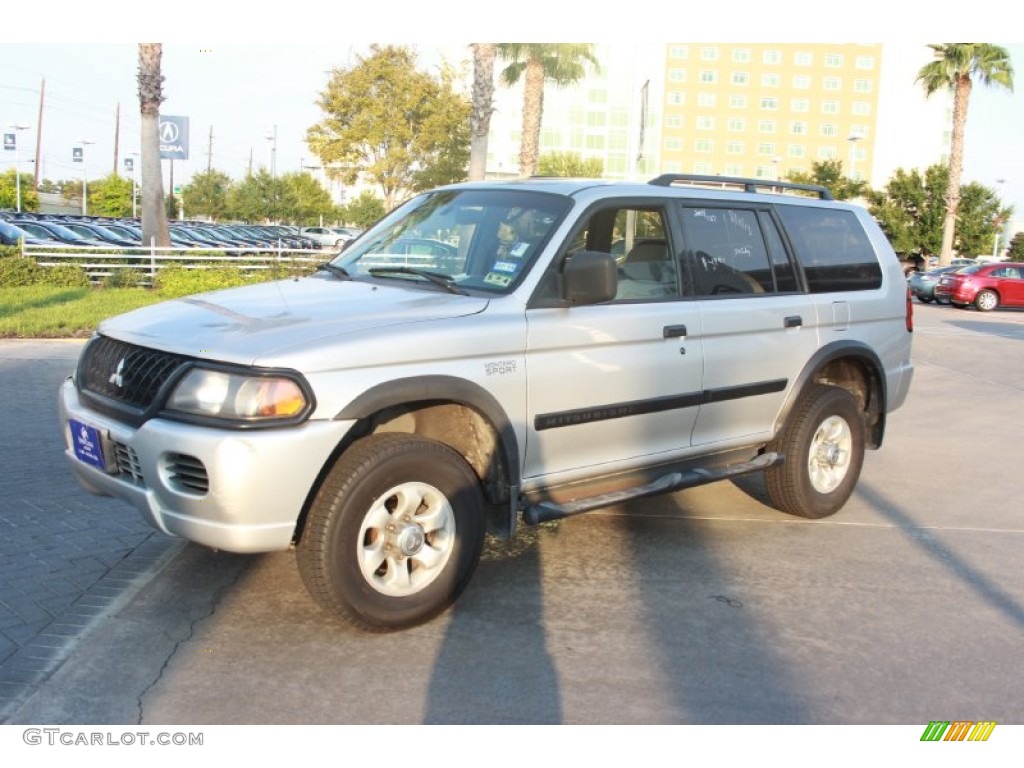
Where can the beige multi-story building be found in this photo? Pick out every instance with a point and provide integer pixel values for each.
(763, 110)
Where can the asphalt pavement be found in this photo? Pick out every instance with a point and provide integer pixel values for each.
(700, 607)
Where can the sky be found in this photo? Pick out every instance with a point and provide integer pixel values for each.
(251, 76)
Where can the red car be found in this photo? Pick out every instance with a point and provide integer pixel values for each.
(986, 286)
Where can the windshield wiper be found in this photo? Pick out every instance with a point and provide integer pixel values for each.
(444, 281)
(334, 269)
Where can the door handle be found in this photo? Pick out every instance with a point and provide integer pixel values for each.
(673, 331)
(793, 321)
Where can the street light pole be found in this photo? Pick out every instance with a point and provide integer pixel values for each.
(85, 178)
(995, 242)
(853, 138)
(272, 138)
(134, 183)
(17, 163)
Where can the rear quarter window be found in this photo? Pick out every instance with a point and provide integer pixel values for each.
(833, 249)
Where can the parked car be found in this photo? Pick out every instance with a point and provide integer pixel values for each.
(381, 415)
(986, 286)
(327, 237)
(12, 234)
(922, 284)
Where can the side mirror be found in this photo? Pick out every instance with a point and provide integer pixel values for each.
(590, 277)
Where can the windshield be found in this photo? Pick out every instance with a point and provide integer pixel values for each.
(472, 238)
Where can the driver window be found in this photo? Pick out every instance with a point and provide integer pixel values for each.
(727, 252)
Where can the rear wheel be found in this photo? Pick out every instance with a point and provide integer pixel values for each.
(986, 301)
(823, 443)
(394, 533)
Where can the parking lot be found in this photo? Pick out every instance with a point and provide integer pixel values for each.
(700, 607)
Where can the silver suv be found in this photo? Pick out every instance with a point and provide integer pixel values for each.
(497, 352)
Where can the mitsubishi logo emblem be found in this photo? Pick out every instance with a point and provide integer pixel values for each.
(168, 133)
(116, 378)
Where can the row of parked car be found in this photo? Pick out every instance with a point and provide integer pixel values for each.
(985, 285)
(94, 231)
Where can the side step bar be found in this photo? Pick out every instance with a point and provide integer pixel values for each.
(674, 481)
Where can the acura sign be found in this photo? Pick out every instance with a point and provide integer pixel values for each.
(173, 138)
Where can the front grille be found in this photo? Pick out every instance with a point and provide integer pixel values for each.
(124, 372)
(187, 473)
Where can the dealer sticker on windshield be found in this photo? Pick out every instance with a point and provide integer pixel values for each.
(87, 444)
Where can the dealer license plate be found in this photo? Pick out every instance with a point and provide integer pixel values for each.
(88, 444)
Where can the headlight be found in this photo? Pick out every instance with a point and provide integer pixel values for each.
(233, 396)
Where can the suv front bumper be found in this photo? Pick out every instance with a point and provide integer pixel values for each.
(236, 490)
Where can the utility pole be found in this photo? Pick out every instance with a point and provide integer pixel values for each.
(39, 130)
(209, 151)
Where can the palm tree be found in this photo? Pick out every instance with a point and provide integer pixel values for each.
(562, 64)
(483, 107)
(955, 67)
(154, 216)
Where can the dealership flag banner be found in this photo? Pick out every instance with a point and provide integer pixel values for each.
(10, 141)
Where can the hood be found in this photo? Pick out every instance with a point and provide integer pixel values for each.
(241, 325)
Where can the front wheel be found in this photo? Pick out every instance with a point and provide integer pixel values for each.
(394, 533)
(986, 301)
(823, 442)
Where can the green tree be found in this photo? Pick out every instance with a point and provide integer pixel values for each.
(483, 107)
(365, 210)
(911, 212)
(110, 196)
(386, 121)
(570, 165)
(48, 186)
(71, 191)
(9, 191)
(1016, 250)
(259, 197)
(307, 199)
(154, 216)
(955, 68)
(206, 194)
(536, 63)
(829, 174)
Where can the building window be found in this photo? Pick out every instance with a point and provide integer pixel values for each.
(803, 58)
(673, 144)
(677, 75)
(673, 167)
(802, 82)
(597, 119)
(708, 76)
(764, 172)
(703, 168)
(769, 102)
(740, 78)
(709, 54)
(736, 124)
(832, 83)
(733, 169)
(862, 85)
(704, 146)
(735, 148)
(674, 121)
(830, 107)
(766, 126)
(766, 149)
(829, 129)
(675, 97)
(827, 153)
(595, 142)
(738, 101)
(865, 62)
(679, 52)
(833, 60)
(772, 57)
(706, 99)
(799, 105)
(861, 107)
(741, 55)
(705, 123)
(798, 128)
(860, 131)
(796, 150)
(769, 80)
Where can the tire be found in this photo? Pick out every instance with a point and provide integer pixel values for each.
(823, 442)
(394, 533)
(986, 301)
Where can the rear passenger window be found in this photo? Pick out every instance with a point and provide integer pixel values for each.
(833, 248)
(728, 255)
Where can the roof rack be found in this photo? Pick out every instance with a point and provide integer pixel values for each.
(733, 182)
